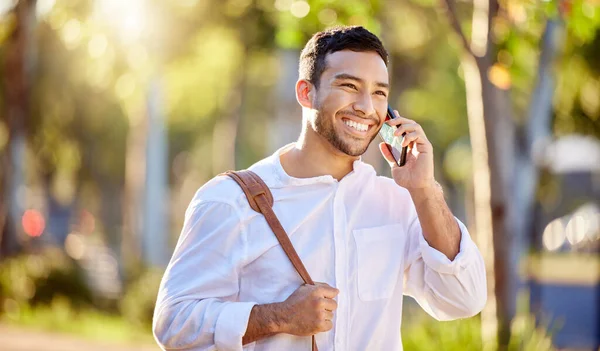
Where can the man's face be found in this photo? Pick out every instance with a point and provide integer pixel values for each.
(351, 101)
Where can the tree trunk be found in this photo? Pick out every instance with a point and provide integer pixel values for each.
(481, 190)
(111, 215)
(226, 128)
(504, 181)
(492, 132)
(537, 135)
(135, 173)
(19, 65)
(286, 127)
(154, 232)
(500, 135)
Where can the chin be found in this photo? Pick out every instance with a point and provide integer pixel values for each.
(358, 152)
(353, 150)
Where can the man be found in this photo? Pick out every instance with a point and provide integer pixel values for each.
(368, 240)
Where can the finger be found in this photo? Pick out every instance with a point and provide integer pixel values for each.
(326, 326)
(423, 147)
(412, 149)
(323, 285)
(330, 304)
(387, 154)
(410, 138)
(417, 137)
(399, 120)
(417, 145)
(327, 291)
(327, 315)
(407, 128)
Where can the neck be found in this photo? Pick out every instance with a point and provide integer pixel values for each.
(314, 156)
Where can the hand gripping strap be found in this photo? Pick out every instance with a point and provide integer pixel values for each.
(261, 200)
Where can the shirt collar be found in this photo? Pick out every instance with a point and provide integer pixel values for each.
(284, 179)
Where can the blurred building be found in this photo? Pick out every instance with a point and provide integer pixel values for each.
(565, 271)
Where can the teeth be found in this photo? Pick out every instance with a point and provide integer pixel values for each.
(358, 126)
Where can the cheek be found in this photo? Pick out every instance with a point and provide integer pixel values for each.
(330, 101)
(340, 100)
(381, 108)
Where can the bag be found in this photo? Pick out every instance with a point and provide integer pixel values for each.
(261, 200)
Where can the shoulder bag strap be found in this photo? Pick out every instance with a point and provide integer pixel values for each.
(261, 200)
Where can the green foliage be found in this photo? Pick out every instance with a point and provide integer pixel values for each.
(294, 27)
(138, 304)
(205, 68)
(583, 19)
(428, 334)
(47, 291)
(465, 335)
(39, 279)
(59, 316)
(87, 100)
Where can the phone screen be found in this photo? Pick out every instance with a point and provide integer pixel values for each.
(387, 134)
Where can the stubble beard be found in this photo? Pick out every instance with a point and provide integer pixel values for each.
(324, 127)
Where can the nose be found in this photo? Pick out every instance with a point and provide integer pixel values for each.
(365, 105)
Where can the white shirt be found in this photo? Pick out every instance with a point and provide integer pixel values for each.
(360, 235)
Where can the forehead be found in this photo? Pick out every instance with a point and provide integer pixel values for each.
(367, 65)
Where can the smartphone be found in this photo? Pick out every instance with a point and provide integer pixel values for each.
(394, 143)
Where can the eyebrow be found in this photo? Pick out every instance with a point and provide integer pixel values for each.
(342, 76)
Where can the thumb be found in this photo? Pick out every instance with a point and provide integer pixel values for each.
(387, 154)
(328, 290)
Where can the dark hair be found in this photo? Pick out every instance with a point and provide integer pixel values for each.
(355, 38)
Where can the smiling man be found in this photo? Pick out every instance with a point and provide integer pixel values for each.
(368, 240)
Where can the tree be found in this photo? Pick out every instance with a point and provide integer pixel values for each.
(18, 70)
(505, 147)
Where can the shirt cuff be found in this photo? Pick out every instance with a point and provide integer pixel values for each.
(231, 325)
(440, 262)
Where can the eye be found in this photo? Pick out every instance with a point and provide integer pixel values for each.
(349, 85)
(382, 93)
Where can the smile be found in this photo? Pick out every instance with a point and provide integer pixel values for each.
(361, 127)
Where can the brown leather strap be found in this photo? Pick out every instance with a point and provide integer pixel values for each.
(261, 200)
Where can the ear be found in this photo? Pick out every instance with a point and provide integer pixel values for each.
(305, 93)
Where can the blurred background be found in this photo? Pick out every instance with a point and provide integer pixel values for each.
(114, 112)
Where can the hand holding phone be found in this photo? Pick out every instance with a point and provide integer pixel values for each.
(393, 143)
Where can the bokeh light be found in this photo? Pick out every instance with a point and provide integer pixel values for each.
(554, 235)
(300, 9)
(74, 246)
(499, 76)
(33, 223)
(71, 33)
(120, 91)
(87, 222)
(283, 5)
(43, 7)
(127, 17)
(97, 45)
(576, 229)
(327, 16)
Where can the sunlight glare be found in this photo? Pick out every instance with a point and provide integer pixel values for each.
(6, 6)
(128, 17)
(187, 3)
(97, 46)
(71, 33)
(43, 7)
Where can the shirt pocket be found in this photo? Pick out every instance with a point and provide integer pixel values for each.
(380, 252)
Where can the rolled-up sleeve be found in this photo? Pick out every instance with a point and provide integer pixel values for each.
(197, 307)
(445, 289)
